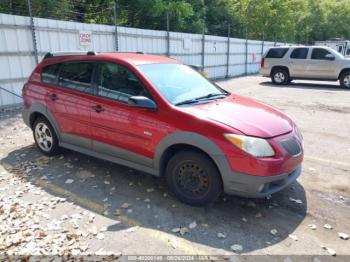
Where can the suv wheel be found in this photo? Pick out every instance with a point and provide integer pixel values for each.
(280, 76)
(193, 178)
(345, 80)
(45, 137)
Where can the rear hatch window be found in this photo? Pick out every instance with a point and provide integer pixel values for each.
(276, 52)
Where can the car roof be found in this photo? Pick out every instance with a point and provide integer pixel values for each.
(131, 58)
(137, 58)
(301, 46)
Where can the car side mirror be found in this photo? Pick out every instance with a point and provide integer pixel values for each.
(142, 102)
(330, 57)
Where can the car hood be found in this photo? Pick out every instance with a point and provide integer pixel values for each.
(246, 115)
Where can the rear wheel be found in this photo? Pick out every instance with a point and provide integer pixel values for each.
(45, 137)
(345, 80)
(280, 76)
(193, 178)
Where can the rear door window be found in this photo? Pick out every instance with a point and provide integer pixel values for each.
(299, 53)
(276, 52)
(76, 75)
(49, 73)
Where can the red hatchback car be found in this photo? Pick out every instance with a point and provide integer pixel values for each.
(154, 114)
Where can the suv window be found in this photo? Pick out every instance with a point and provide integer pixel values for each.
(49, 73)
(299, 53)
(276, 52)
(119, 83)
(319, 53)
(348, 51)
(76, 75)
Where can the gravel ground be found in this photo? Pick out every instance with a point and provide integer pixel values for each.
(75, 204)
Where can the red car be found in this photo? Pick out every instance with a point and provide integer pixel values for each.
(154, 114)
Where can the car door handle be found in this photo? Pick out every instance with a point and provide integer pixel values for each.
(53, 97)
(98, 108)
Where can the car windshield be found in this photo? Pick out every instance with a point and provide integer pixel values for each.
(180, 84)
(336, 53)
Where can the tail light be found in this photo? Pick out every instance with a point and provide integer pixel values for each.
(25, 101)
(262, 62)
(23, 88)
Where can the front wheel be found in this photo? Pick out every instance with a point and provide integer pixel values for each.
(280, 76)
(345, 80)
(193, 178)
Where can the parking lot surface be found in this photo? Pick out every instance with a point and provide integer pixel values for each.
(77, 204)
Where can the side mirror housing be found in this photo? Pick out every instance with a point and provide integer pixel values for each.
(142, 102)
(330, 57)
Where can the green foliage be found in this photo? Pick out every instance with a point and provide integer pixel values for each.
(302, 21)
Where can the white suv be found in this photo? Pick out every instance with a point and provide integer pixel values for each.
(285, 63)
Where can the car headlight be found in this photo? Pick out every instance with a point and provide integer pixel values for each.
(257, 147)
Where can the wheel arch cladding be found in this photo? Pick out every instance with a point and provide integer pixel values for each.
(344, 70)
(190, 140)
(279, 67)
(37, 110)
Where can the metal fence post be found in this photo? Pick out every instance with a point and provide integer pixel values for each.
(262, 44)
(167, 34)
(275, 40)
(203, 50)
(246, 53)
(228, 52)
(116, 25)
(32, 27)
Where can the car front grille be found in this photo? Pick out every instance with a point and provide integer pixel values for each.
(292, 146)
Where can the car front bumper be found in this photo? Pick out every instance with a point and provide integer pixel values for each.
(258, 186)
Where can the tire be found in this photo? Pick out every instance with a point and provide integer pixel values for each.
(45, 137)
(193, 178)
(280, 76)
(345, 80)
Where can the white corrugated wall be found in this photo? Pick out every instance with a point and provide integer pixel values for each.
(17, 56)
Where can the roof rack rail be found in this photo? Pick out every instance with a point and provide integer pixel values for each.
(67, 53)
(128, 52)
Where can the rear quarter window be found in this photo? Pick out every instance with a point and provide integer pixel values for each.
(49, 73)
(276, 52)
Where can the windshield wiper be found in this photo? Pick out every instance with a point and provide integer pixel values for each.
(211, 95)
(185, 102)
(197, 99)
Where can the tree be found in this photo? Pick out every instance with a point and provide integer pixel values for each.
(302, 21)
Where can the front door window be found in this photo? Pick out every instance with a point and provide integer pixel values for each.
(118, 83)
